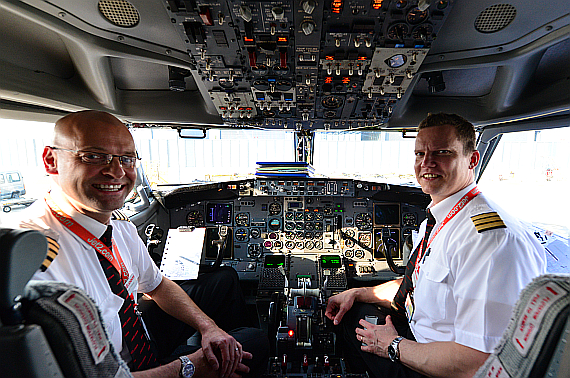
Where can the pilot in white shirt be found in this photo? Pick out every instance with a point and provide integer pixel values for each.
(449, 311)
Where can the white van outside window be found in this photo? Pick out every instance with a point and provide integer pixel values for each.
(11, 185)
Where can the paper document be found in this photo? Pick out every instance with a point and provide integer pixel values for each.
(182, 253)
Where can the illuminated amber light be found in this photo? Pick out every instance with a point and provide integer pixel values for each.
(346, 80)
(336, 6)
(328, 80)
(376, 4)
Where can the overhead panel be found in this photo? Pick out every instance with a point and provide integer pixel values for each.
(308, 64)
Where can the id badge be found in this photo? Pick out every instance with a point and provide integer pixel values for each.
(410, 306)
(132, 285)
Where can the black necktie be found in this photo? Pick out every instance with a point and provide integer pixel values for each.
(141, 349)
(407, 285)
(429, 227)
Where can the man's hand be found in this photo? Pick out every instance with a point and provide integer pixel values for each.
(218, 345)
(376, 337)
(339, 304)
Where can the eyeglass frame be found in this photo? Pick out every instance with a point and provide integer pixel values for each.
(108, 157)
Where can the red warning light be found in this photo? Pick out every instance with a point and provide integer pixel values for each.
(328, 79)
(291, 333)
(282, 39)
(329, 57)
(361, 58)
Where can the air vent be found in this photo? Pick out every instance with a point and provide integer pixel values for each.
(119, 12)
(495, 18)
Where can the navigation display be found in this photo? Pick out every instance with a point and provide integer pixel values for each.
(386, 214)
(219, 213)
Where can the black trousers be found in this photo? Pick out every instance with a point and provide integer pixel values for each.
(359, 361)
(219, 295)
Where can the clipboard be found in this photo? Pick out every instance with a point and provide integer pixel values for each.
(182, 253)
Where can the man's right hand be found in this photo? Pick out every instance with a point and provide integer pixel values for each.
(205, 369)
(339, 304)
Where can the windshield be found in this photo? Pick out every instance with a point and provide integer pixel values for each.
(527, 175)
(234, 154)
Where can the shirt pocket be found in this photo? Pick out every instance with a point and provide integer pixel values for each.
(432, 292)
(110, 312)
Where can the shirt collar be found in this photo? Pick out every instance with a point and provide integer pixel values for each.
(95, 227)
(441, 209)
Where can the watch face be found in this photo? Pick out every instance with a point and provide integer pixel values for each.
(391, 352)
(188, 370)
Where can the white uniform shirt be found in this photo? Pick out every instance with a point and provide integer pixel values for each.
(77, 263)
(469, 283)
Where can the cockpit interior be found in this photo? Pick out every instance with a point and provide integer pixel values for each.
(305, 66)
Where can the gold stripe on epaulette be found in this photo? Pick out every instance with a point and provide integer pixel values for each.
(53, 250)
(52, 243)
(119, 215)
(488, 221)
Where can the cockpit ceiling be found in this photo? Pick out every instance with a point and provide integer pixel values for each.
(317, 65)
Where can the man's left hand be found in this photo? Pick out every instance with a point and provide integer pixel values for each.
(376, 337)
(216, 342)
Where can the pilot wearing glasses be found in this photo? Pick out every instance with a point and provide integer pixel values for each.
(92, 162)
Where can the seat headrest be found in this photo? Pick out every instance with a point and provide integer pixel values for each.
(21, 254)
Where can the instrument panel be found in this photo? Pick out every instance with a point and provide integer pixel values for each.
(359, 221)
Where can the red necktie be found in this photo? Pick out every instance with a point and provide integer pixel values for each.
(141, 349)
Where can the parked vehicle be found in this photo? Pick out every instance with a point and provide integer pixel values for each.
(11, 185)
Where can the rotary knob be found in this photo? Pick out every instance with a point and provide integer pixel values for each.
(308, 27)
(308, 6)
(245, 13)
(277, 13)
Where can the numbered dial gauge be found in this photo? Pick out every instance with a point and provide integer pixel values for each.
(195, 218)
(422, 32)
(416, 16)
(241, 235)
(275, 208)
(255, 233)
(242, 219)
(398, 32)
(363, 221)
(409, 219)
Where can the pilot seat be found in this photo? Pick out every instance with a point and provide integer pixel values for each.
(48, 329)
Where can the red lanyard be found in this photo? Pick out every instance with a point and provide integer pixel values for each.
(452, 213)
(88, 237)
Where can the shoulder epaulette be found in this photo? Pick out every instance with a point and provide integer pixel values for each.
(53, 250)
(119, 215)
(487, 221)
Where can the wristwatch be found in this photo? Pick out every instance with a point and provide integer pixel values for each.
(187, 370)
(394, 349)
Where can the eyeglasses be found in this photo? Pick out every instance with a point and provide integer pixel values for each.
(97, 158)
